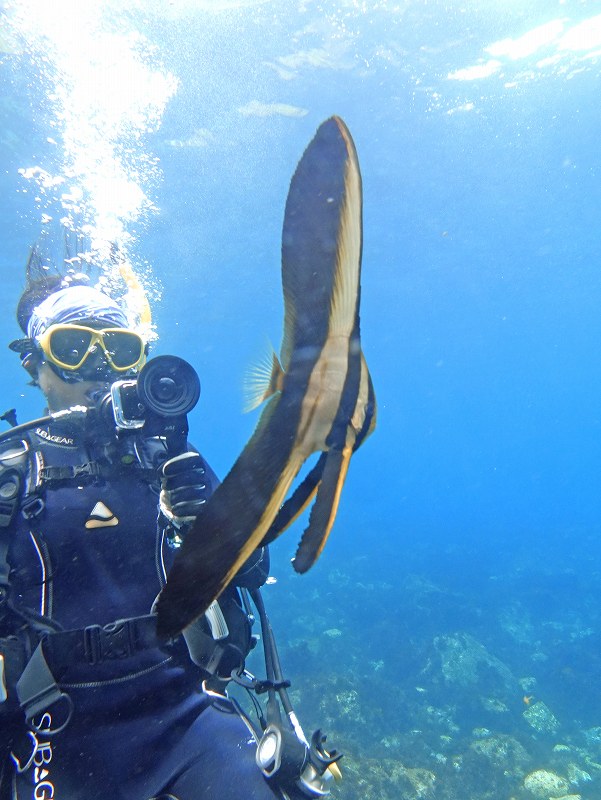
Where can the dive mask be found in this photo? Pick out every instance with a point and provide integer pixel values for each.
(68, 346)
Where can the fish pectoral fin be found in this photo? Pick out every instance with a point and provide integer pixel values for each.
(324, 511)
(297, 503)
(263, 380)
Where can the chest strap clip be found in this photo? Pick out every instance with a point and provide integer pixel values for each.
(94, 644)
(109, 642)
(57, 474)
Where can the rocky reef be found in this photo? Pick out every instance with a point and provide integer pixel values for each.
(437, 689)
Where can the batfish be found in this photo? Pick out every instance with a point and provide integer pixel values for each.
(320, 394)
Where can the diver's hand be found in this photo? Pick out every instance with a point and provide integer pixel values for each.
(184, 488)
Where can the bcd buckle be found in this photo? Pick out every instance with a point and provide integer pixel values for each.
(106, 643)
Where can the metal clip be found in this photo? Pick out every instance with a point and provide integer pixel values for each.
(32, 507)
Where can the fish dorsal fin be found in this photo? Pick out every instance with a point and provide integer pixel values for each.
(345, 298)
(321, 243)
(263, 380)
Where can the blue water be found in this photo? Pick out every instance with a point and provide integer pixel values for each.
(473, 511)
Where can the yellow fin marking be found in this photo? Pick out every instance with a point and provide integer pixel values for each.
(347, 452)
(348, 262)
(280, 491)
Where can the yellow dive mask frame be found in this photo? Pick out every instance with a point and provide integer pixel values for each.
(68, 346)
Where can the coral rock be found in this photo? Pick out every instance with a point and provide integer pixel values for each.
(546, 785)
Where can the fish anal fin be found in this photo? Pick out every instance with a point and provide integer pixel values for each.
(286, 477)
(324, 511)
(295, 505)
(263, 380)
(222, 539)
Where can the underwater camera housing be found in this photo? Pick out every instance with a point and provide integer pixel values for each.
(158, 400)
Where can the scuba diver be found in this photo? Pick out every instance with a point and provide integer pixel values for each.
(94, 499)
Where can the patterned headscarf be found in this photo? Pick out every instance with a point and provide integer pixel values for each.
(75, 304)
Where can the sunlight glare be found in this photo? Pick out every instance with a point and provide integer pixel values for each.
(106, 92)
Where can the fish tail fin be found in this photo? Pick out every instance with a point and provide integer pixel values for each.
(262, 380)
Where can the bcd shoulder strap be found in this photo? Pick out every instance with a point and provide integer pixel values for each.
(14, 469)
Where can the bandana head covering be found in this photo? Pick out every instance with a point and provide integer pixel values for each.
(75, 304)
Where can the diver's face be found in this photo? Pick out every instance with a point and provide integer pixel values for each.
(61, 395)
(99, 362)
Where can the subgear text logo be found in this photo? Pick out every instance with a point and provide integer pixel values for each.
(43, 786)
(53, 438)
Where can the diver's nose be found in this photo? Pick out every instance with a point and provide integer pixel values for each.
(96, 355)
(96, 365)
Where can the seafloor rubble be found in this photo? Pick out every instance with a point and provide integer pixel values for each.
(448, 682)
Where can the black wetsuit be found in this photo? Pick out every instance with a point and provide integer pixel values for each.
(141, 726)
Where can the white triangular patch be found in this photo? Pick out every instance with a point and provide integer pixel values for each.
(101, 516)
